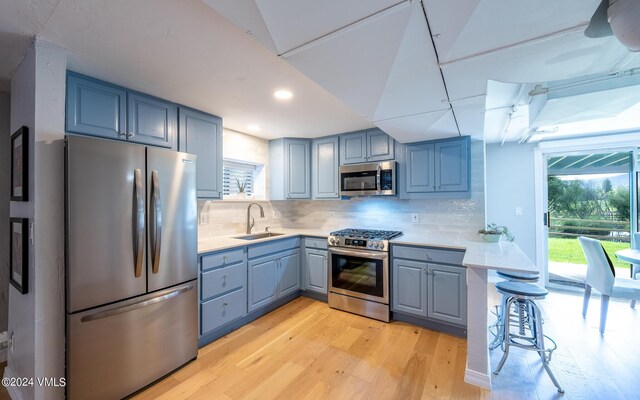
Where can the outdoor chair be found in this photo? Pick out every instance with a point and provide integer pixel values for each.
(601, 276)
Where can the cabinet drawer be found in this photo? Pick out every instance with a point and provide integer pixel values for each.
(260, 250)
(315, 243)
(428, 254)
(218, 312)
(222, 259)
(221, 280)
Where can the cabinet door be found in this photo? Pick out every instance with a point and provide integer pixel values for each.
(409, 287)
(263, 282)
(420, 177)
(325, 168)
(151, 121)
(297, 169)
(201, 134)
(380, 146)
(452, 165)
(95, 108)
(353, 148)
(316, 274)
(289, 274)
(448, 294)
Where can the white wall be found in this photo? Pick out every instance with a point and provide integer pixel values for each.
(5, 179)
(510, 184)
(21, 361)
(37, 318)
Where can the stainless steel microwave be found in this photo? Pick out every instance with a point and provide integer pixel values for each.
(369, 179)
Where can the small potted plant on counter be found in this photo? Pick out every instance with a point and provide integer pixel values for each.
(242, 186)
(492, 233)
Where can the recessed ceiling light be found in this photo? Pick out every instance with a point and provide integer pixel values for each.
(253, 128)
(282, 94)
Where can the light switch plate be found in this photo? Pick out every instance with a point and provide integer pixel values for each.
(204, 218)
(518, 211)
(415, 218)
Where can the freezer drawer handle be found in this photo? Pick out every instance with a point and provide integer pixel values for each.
(139, 223)
(116, 311)
(156, 232)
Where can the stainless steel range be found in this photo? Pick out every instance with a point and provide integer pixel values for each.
(359, 271)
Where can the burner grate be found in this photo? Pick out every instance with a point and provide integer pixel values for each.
(367, 233)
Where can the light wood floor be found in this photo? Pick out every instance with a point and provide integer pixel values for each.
(306, 350)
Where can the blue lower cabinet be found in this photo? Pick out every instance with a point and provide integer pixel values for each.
(274, 271)
(409, 287)
(263, 282)
(447, 294)
(223, 288)
(316, 273)
(428, 289)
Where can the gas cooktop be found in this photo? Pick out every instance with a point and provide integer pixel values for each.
(367, 234)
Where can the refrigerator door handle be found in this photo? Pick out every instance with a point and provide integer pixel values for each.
(138, 216)
(135, 306)
(156, 209)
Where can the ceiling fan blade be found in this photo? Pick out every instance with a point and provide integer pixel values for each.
(599, 26)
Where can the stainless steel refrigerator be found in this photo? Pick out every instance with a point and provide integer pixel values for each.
(131, 264)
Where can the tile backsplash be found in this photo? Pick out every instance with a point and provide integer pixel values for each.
(460, 216)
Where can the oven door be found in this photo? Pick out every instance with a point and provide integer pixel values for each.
(359, 273)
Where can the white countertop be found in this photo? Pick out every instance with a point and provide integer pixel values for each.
(478, 254)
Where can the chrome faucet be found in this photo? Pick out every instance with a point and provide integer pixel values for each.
(251, 221)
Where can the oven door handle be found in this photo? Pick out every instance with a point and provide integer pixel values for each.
(359, 253)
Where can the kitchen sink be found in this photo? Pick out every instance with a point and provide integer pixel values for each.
(255, 236)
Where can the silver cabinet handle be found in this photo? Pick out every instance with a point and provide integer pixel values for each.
(427, 257)
(224, 259)
(224, 279)
(224, 306)
(138, 217)
(131, 134)
(135, 306)
(156, 232)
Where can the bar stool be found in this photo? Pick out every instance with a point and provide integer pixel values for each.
(527, 320)
(496, 328)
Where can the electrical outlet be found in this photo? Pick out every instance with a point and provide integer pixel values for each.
(12, 342)
(204, 218)
(276, 214)
(331, 214)
(518, 211)
(415, 218)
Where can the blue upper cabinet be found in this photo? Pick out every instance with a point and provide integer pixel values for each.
(380, 146)
(151, 121)
(353, 148)
(420, 175)
(95, 108)
(201, 134)
(290, 169)
(366, 146)
(98, 108)
(436, 169)
(452, 165)
(325, 168)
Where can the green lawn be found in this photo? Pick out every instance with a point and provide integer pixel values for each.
(569, 251)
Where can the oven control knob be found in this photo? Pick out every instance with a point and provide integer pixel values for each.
(333, 241)
(380, 245)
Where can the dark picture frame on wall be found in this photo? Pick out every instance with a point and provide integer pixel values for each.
(19, 254)
(20, 165)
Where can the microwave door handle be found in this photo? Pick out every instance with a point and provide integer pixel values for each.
(378, 180)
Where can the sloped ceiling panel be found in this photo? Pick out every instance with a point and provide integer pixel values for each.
(293, 23)
(477, 26)
(355, 63)
(470, 116)
(246, 15)
(416, 128)
(414, 84)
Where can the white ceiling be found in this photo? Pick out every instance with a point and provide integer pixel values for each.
(351, 64)
(185, 52)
